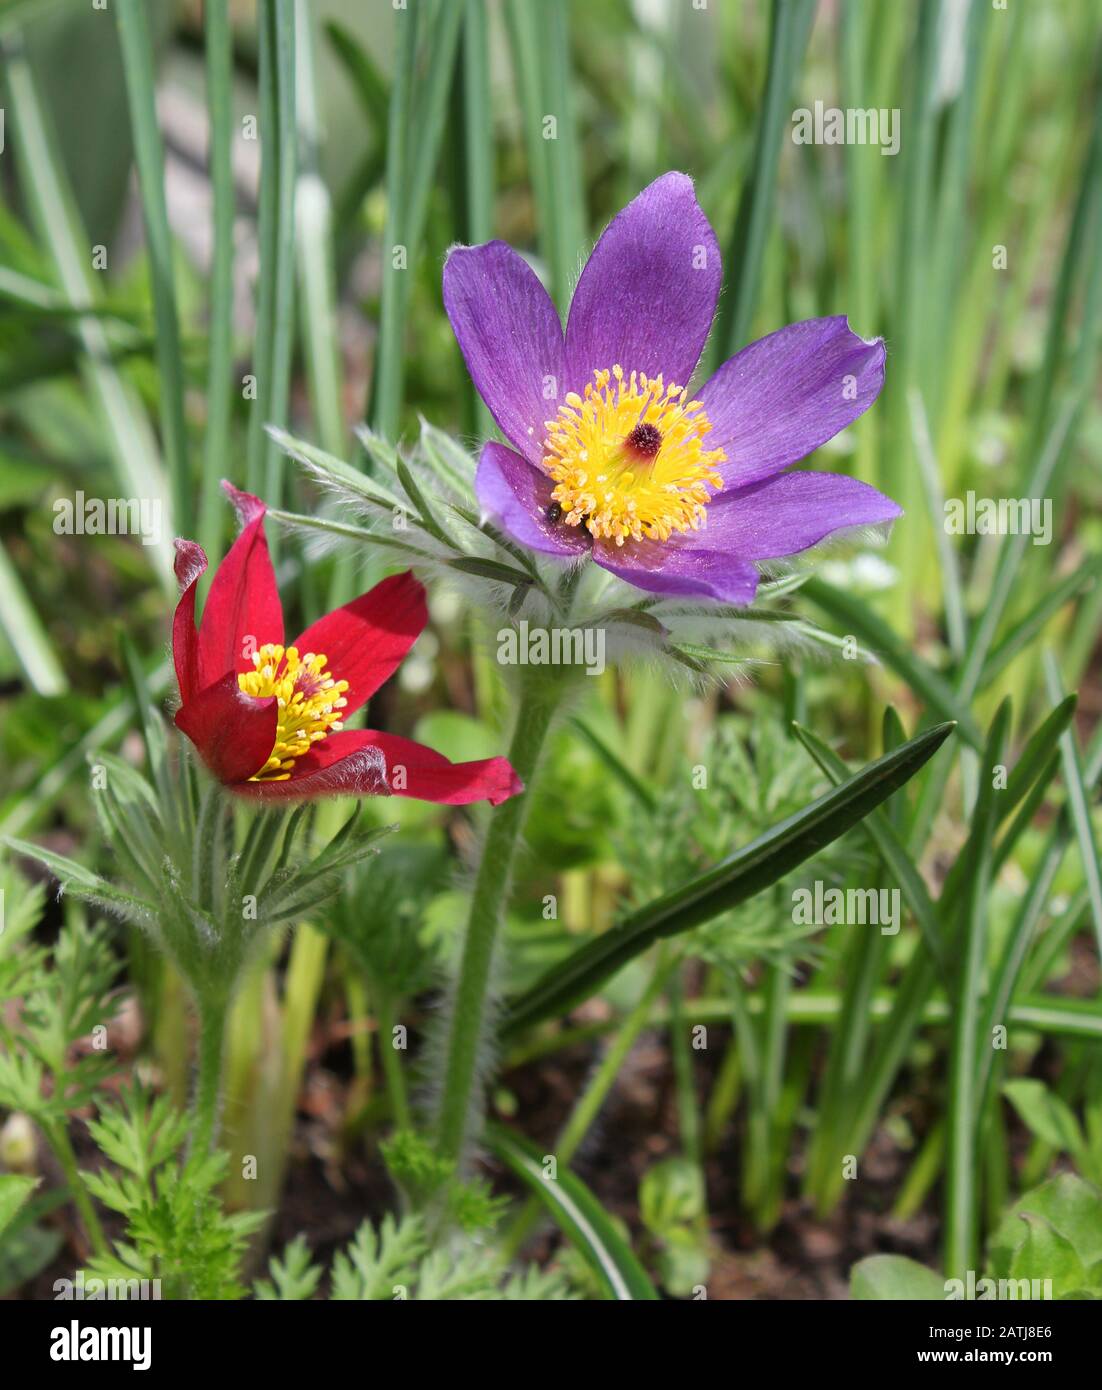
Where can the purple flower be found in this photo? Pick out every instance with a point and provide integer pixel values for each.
(675, 492)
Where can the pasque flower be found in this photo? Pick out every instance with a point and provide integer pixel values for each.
(266, 718)
(676, 492)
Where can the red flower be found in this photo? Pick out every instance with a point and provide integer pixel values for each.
(266, 718)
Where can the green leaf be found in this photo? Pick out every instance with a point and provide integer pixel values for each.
(66, 870)
(1047, 1255)
(294, 1277)
(1046, 1114)
(580, 1216)
(376, 1261)
(327, 468)
(14, 1191)
(891, 848)
(1033, 771)
(895, 1278)
(420, 503)
(1072, 1207)
(26, 1252)
(737, 878)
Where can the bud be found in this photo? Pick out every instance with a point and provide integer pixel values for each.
(17, 1143)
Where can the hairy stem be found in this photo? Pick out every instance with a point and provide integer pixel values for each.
(208, 1089)
(393, 1078)
(540, 699)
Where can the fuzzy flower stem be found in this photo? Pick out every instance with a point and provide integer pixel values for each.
(391, 1063)
(543, 690)
(208, 1089)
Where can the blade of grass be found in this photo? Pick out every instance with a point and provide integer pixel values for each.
(1035, 768)
(583, 1220)
(137, 57)
(745, 873)
(950, 229)
(956, 623)
(478, 149)
(1011, 555)
(26, 635)
(790, 29)
(1028, 627)
(616, 765)
(858, 618)
(267, 238)
(1033, 1013)
(887, 843)
(900, 479)
(1078, 805)
(314, 247)
(57, 222)
(587, 1107)
(911, 998)
(861, 973)
(983, 633)
(961, 1234)
(22, 811)
(410, 168)
(861, 213)
(218, 49)
(566, 208)
(282, 23)
(525, 52)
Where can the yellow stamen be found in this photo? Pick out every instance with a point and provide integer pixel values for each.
(629, 459)
(310, 703)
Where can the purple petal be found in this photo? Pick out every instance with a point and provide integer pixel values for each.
(518, 495)
(680, 567)
(510, 336)
(781, 397)
(784, 515)
(648, 292)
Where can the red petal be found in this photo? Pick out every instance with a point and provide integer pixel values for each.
(191, 562)
(234, 732)
(361, 762)
(364, 642)
(242, 610)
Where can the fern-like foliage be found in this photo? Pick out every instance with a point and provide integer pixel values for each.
(63, 1009)
(177, 1231)
(394, 1262)
(427, 1179)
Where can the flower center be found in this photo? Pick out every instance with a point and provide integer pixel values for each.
(310, 703)
(629, 459)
